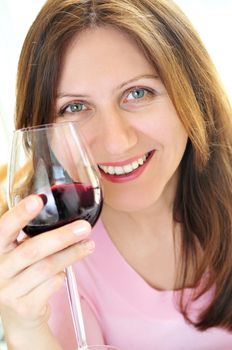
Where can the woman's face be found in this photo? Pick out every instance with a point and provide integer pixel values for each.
(127, 117)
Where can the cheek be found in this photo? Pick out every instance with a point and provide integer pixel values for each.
(159, 177)
(91, 134)
(69, 156)
(173, 141)
(167, 130)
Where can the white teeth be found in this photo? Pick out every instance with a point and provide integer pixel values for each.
(119, 170)
(125, 169)
(105, 168)
(111, 170)
(135, 165)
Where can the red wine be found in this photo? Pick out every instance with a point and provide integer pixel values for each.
(64, 204)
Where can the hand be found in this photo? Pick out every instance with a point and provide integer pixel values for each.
(31, 271)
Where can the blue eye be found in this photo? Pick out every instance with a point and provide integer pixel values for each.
(138, 97)
(74, 107)
(75, 110)
(136, 94)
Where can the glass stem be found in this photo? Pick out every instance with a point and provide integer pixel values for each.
(75, 306)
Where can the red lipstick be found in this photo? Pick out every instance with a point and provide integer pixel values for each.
(129, 176)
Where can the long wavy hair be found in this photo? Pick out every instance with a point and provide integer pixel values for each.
(203, 202)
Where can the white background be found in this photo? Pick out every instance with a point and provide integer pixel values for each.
(212, 19)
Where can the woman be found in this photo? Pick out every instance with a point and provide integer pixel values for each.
(137, 77)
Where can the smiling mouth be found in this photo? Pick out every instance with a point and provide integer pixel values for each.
(127, 168)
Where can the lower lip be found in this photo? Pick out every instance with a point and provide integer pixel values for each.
(128, 177)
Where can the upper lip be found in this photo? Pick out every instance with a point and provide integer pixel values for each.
(123, 162)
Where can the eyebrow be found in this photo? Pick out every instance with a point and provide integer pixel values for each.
(62, 95)
(143, 76)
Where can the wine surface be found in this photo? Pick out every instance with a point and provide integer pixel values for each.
(65, 203)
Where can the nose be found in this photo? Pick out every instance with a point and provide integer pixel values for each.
(118, 134)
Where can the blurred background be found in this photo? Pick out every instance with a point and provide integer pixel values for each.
(212, 19)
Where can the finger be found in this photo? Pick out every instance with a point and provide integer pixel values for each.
(42, 294)
(33, 305)
(41, 246)
(44, 270)
(13, 221)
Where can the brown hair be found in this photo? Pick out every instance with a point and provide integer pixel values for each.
(204, 195)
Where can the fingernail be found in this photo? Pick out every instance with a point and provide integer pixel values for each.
(32, 204)
(81, 228)
(44, 198)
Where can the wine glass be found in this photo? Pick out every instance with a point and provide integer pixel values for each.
(53, 161)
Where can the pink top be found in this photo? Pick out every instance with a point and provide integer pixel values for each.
(121, 309)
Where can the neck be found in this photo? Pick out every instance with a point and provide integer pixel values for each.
(142, 222)
(148, 240)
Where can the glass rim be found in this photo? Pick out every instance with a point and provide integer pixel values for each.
(45, 126)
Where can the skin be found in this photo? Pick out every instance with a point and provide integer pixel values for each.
(125, 113)
(32, 270)
(117, 126)
(120, 125)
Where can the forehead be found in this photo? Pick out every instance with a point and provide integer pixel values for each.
(100, 35)
(103, 50)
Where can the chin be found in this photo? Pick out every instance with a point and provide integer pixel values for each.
(130, 205)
